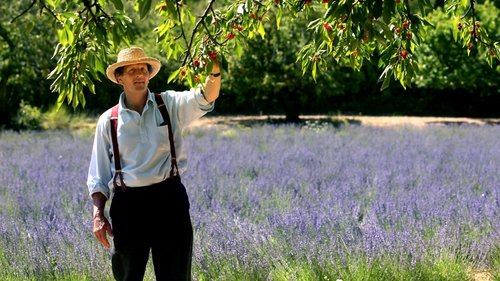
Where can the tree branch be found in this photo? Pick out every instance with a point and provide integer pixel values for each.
(183, 35)
(210, 34)
(50, 11)
(24, 12)
(5, 35)
(198, 23)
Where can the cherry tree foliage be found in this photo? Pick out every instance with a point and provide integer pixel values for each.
(385, 32)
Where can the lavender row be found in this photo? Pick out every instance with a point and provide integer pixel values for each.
(261, 196)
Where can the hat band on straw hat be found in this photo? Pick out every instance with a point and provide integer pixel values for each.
(130, 56)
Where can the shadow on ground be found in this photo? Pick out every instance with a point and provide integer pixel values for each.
(335, 122)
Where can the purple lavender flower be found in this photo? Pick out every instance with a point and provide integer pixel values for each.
(265, 197)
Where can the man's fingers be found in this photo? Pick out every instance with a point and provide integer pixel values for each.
(101, 227)
(101, 237)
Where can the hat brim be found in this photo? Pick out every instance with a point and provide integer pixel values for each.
(155, 64)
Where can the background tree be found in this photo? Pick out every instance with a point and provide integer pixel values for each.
(348, 30)
(266, 70)
(24, 60)
(192, 34)
(266, 79)
(444, 65)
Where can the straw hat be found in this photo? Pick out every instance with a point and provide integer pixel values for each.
(130, 56)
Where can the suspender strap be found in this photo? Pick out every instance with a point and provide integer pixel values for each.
(174, 169)
(166, 119)
(116, 153)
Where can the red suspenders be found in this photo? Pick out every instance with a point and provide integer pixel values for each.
(174, 170)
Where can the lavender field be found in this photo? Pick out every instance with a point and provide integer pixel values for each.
(277, 203)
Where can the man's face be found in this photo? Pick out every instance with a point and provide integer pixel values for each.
(135, 77)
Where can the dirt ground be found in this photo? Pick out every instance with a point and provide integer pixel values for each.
(222, 121)
(482, 275)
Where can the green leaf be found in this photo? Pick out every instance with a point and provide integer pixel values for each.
(62, 37)
(388, 11)
(238, 50)
(313, 24)
(115, 35)
(278, 18)
(118, 4)
(261, 30)
(171, 9)
(29, 27)
(50, 3)
(99, 66)
(454, 28)
(332, 9)
(386, 83)
(60, 99)
(464, 3)
(314, 70)
(174, 75)
(229, 14)
(144, 7)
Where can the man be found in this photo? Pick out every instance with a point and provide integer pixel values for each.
(150, 207)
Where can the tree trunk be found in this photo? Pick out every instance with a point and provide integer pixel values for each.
(291, 105)
(4, 113)
(4, 78)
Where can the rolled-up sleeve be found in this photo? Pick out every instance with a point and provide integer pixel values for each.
(100, 172)
(191, 105)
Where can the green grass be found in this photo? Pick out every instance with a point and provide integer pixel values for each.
(445, 269)
(55, 119)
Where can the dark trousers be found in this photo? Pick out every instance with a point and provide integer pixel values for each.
(152, 218)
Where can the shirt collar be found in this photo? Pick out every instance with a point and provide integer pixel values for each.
(149, 102)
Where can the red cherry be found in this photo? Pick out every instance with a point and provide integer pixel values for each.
(277, 2)
(196, 62)
(409, 35)
(406, 24)
(326, 1)
(492, 53)
(403, 54)
(183, 73)
(397, 30)
(230, 36)
(327, 27)
(212, 55)
(355, 52)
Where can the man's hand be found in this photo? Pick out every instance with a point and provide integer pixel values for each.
(101, 223)
(213, 83)
(101, 228)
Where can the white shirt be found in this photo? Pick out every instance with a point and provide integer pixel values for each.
(143, 144)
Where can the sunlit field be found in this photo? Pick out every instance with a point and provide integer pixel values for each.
(313, 202)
